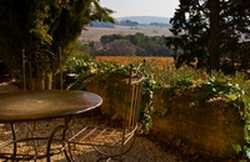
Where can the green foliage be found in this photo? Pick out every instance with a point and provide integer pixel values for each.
(217, 87)
(237, 148)
(170, 74)
(209, 30)
(149, 87)
(143, 44)
(232, 91)
(41, 27)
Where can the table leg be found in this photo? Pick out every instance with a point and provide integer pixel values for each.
(66, 128)
(50, 140)
(13, 131)
(63, 128)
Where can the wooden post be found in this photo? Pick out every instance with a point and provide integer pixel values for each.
(30, 72)
(61, 67)
(24, 69)
(50, 80)
(43, 80)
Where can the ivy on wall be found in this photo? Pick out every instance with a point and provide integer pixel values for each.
(216, 88)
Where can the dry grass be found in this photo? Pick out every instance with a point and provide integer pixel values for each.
(157, 61)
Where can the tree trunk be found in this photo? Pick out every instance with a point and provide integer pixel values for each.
(42, 82)
(50, 81)
(38, 82)
(214, 30)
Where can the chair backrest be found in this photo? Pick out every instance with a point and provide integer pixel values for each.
(132, 112)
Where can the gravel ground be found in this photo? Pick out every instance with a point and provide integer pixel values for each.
(144, 150)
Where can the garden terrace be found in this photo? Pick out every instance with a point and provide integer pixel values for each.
(195, 113)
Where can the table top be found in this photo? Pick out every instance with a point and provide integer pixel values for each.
(38, 105)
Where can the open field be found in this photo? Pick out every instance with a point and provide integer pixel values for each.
(94, 34)
(159, 61)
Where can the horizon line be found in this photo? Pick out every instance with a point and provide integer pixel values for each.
(142, 16)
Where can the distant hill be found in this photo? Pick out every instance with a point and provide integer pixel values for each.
(128, 23)
(99, 24)
(146, 19)
(134, 21)
(160, 24)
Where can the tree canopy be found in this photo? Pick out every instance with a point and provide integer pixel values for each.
(134, 44)
(209, 30)
(41, 26)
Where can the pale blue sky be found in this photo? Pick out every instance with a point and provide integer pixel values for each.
(163, 8)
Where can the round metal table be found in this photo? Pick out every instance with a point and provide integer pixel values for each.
(32, 106)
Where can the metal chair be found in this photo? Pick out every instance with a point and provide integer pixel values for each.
(111, 142)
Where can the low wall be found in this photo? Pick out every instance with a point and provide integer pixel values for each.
(209, 129)
(113, 93)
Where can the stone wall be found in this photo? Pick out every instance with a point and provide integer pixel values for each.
(209, 129)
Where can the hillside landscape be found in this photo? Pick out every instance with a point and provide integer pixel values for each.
(148, 25)
(95, 33)
(146, 19)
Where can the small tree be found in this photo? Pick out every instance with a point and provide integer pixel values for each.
(40, 27)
